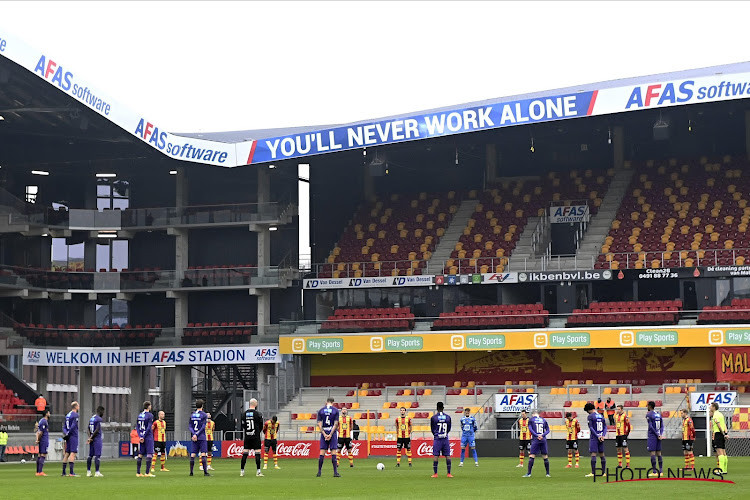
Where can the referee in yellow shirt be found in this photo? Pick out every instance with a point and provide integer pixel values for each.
(719, 435)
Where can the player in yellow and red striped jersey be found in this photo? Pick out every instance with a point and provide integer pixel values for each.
(688, 438)
(270, 437)
(160, 442)
(345, 436)
(403, 436)
(524, 436)
(622, 428)
(571, 443)
(210, 424)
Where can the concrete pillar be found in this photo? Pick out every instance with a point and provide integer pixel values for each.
(618, 146)
(42, 379)
(491, 162)
(89, 255)
(86, 402)
(181, 246)
(138, 392)
(264, 310)
(183, 399)
(180, 315)
(181, 191)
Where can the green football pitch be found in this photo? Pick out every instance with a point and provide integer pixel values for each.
(495, 477)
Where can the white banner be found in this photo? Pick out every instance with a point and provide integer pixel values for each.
(573, 213)
(198, 355)
(514, 403)
(699, 401)
(375, 282)
(497, 278)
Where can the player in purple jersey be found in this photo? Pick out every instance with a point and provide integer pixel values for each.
(598, 431)
(95, 441)
(70, 436)
(328, 425)
(42, 439)
(198, 421)
(655, 435)
(440, 424)
(145, 429)
(539, 429)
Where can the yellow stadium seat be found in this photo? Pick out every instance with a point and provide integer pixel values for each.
(589, 382)
(464, 392)
(576, 390)
(407, 392)
(428, 392)
(622, 390)
(607, 390)
(386, 405)
(642, 404)
(613, 382)
(471, 384)
(355, 406)
(457, 384)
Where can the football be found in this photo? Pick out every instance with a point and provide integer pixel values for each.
(23, 460)
(381, 466)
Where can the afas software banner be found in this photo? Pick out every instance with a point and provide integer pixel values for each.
(519, 340)
(491, 114)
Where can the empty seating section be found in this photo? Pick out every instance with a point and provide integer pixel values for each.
(502, 212)
(9, 404)
(80, 335)
(223, 275)
(738, 312)
(374, 319)
(494, 316)
(681, 214)
(391, 237)
(218, 333)
(642, 312)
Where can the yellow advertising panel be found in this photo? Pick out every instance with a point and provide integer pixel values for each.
(516, 340)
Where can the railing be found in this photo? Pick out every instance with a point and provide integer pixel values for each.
(555, 262)
(677, 258)
(145, 280)
(157, 217)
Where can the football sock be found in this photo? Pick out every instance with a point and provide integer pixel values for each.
(473, 452)
(148, 465)
(209, 459)
(349, 454)
(627, 458)
(661, 468)
(653, 463)
(38, 465)
(448, 464)
(723, 460)
(320, 462)
(192, 464)
(692, 459)
(139, 461)
(463, 452)
(408, 455)
(88, 463)
(335, 460)
(619, 458)
(520, 457)
(204, 462)
(570, 457)
(71, 468)
(531, 465)
(593, 465)
(604, 465)
(578, 457)
(41, 464)
(546, 465)
(687, 460)
(265, 459)
(163, 457)
(434, 466)
(97, 461)
(398, 456)
(65, 466)
(244, 461)
(257, 460)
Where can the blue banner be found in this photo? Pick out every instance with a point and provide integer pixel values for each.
(417, 127)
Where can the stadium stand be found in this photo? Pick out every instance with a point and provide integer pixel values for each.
(391, 237)
(218, 333)
(737, 312)
(681, 214)
(81, 335)
(12, 405)
(640, 312)
(369, 319)
(493, 316)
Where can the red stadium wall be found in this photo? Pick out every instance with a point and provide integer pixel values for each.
(547, 366)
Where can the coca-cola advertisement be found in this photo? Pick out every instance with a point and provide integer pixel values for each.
(421, 448)
(292, 449)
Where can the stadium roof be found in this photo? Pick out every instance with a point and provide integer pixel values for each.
(230, 149)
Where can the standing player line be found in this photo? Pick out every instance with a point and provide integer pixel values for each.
(440, 424)
(252, 425)
(95, 441)
(328, 424)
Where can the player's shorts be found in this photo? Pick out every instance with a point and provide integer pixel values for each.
(210, 446)
(199, 446)
(719, 441)
(653, 444)
(538, 447)
(95, 449)
(403, 443)
(330, 445)
(147, 447)
(270, 444)
(43, 447)
(345, 443)
(596, 446)
(571, 445)
(524, 444)
(687, 445)
(252, 443)
(71, 445)
(468, 441)
(441, 446)
(621, 441)
(160, 446)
